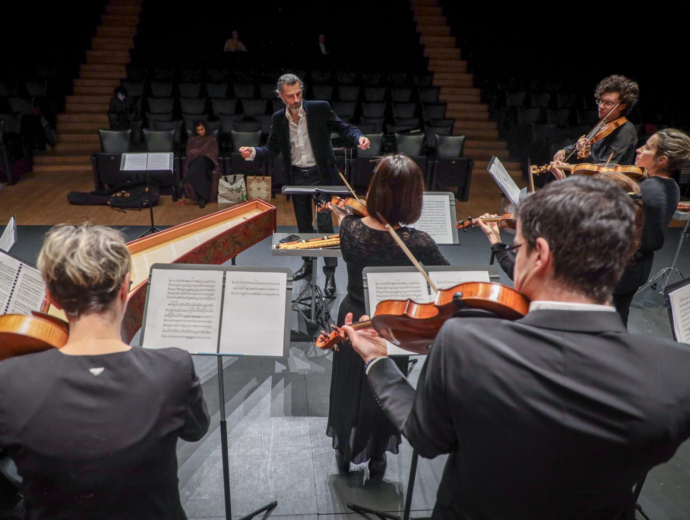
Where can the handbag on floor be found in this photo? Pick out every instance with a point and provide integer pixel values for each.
(259, 187)
(231, 189)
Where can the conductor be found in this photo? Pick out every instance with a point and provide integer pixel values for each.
(301, 132)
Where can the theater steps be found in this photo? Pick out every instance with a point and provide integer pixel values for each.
(86, 110)
(463, 101)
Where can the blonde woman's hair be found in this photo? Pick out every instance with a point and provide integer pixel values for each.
(84, 266)
(675, 145)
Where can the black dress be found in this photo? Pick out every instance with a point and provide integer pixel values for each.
(94, 437)
(356, 423)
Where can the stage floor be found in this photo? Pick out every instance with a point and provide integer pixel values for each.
(277, 412)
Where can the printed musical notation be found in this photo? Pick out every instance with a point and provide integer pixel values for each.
(435, 219)
(679, 301)
(184, 310)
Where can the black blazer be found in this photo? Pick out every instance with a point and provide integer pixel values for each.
(556, 415)
(320, 121)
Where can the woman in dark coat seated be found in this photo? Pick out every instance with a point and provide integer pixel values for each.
(93, 427)
(201, 171)
(122, 110)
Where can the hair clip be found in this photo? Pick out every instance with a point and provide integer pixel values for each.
(636, 197)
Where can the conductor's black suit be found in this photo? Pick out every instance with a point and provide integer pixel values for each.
(555, 416)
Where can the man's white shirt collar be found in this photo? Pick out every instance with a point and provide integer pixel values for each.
(568, 306)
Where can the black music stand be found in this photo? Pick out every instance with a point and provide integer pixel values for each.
(152, 177)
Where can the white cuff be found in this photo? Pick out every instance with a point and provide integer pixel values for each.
(373, 362)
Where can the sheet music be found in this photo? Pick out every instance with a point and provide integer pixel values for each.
(184, 310)
(135, 161)
(9, 267)
(254, 313)
(29, 292)
(9, 236)
(448, 279)
(680, 310)
(396, 286)
(504, 180)
(159, 161)
(435, 219)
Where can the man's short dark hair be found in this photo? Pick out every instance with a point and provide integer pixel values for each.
(628, 90)
(288, 79)
(589, 225)
(120, 90)
(396, 190)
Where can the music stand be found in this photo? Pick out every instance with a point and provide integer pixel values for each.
(668, 271)
(159, 177)
(219, 355)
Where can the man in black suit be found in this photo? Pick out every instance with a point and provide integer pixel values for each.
(559, 414)
(302, 133)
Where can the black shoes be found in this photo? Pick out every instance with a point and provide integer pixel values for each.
(303, 271)
(329, 288)
(343, 462)
(202, 202)
(377, 466)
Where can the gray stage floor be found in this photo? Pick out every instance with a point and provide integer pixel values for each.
(277, 411)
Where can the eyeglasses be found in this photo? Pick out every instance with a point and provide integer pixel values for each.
(606, 104)
(513, 247)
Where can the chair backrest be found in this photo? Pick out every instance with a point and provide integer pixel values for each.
(115, 141)
(540, 100)
(376, 121)
(133, 88)
(433, 131)
(190, 89)
(401, 95)
(411, 145)
(266, 122)
(515, 99)
(449, 146)
(252, 107)
(246, 126)
(214, 132)
(344, 108)
(348, 92)
(322, 92)
(442, 122)
(346, 78)
(218, 75)
(397, 78)
(528, 116)
(240, 139)
(321, 76)
(160, 105)
(161, 89)
(217, 90)
(404, 110)
(223, 107)
(393, 129)
(434, 111)
(227, 122)
(159, 141)
(170, 125)
(243, 90)
(428, 94)
(407, 121)
(193, 105)
(20, 105)
(372, 78)
(267, 90)
(366, 128)
(373, 109)
(375, 146)
(150, 118)
(374, 94)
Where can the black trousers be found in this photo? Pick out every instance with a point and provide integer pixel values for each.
(304, 214)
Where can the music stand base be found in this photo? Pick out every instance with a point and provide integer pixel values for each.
(653, 282)
(153, 229)
(266, 508)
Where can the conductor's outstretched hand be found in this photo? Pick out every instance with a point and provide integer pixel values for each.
(246, 151)
(364, 143)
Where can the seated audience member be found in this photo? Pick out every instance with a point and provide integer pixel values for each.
(558, 414)
(234, 44)
(93, 427)
(123, 108)
(201, 171)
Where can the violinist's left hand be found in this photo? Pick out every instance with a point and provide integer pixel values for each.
(557, 172)
(366, 342)
(490, 229)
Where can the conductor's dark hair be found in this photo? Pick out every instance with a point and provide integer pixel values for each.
(628, 90)
(288, 79)
(396, 190)
(589, 225)
(120, 90)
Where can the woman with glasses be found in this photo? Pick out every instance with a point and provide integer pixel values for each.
(615, 96)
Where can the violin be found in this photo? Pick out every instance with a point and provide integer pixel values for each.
(683, 206)
(350, 206)
(21, 334)
(507, 218)
(413, 326)
(600, 131)
(633, 172)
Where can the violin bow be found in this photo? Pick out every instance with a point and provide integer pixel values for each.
(594, 130)
(349, 187)
(409, 254)
(610, 157)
